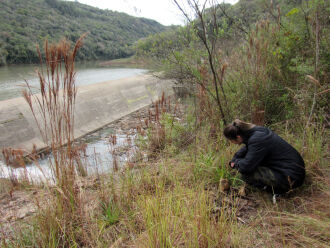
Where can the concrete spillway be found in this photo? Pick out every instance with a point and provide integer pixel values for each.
(96, 105)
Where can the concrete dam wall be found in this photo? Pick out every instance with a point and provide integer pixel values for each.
(96, 105)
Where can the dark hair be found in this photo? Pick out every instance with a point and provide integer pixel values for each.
(237, 128)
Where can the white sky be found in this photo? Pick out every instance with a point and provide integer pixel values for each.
(163, 11)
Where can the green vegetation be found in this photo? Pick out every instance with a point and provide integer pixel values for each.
(274, 62)
(23, 24)
(274, 73)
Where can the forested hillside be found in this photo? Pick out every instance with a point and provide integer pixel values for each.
(268, 51)
(25, 23)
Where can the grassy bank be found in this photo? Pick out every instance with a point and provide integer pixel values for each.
(180, 198)
(179, 191)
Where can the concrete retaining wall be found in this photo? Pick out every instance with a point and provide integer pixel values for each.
(96, 105)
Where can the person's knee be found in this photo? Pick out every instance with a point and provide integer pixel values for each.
(253, 179)
(264, 177)
(272, 181)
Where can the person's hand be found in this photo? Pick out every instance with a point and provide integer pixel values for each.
(232, 164)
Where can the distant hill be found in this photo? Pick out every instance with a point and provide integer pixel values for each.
(234, 22)
(25, 23)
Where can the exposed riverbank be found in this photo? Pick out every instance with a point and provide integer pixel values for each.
(189, 190)
(12, 77)
(18, 204)
(96, 106)
(130, 62)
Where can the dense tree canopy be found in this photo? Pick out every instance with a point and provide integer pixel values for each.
(23, 24)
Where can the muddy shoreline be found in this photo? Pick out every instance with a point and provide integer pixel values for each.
(17, 205)
(96, 105)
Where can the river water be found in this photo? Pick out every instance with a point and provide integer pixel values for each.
(12, 78)
(98, 157)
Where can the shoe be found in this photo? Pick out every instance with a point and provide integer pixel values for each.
(274, 199)
(275, 196)
(242, 190)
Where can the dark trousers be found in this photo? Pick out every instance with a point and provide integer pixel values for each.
(271, 180)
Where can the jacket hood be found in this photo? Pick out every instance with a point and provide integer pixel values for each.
(248, 134)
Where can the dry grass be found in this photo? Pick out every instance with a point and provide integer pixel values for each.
(174, 200)
(62, 222)
(170, 208)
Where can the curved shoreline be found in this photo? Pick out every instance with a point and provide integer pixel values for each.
(96, 106)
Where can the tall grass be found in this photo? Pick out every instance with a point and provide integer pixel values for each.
(177, 201)
(178, 198)
(61, 224)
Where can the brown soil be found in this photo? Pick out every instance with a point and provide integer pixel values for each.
(15, 206)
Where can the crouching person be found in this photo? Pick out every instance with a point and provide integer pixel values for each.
(266, 161)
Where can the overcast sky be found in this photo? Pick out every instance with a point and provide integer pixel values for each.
(163, 11)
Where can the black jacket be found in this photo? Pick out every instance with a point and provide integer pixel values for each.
(265, 148)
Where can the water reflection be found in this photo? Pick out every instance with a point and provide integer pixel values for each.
(99, 158)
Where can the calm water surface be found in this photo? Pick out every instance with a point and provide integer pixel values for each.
(12, 78)
(99, 158)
